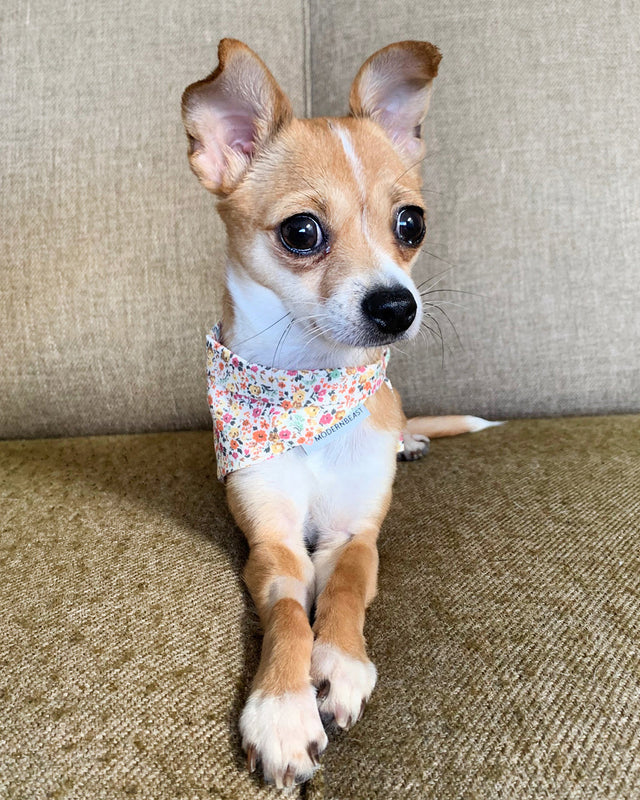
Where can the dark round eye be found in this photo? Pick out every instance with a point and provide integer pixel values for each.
(410, 227)
(301, 234)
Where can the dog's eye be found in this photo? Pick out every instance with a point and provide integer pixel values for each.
(410, 227)
(301, 234)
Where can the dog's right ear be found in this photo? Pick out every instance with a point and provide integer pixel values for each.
(230, 115)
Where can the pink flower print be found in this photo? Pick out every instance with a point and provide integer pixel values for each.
(256, 411)
(285, 434)
(325, 419)
(254, 367)
(227, 418)
(317, 387)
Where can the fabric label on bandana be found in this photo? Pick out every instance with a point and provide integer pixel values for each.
(259, 412)
(350, 420)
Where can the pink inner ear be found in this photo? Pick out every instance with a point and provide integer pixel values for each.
(239, 131)
(400, 111)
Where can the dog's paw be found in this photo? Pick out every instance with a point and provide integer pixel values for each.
(344, 684)
(415, 446)
(283, 732)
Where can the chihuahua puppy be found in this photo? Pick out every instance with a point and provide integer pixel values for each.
(324, 220)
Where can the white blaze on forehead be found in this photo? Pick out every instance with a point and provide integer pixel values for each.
(358, 173)
(352, 158)
(389, 272)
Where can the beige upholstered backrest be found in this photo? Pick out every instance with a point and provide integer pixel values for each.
(533, 172)
(111, 254)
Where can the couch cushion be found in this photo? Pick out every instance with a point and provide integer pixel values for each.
(532, 176)
(505, 629)
(111, 253)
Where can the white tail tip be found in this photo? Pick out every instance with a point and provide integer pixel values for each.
(478, 424)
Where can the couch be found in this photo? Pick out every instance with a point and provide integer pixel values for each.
(505, 628)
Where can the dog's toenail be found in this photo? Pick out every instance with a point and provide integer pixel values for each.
(289, 776)
(323, 689)
(251, 758)
(314, 753)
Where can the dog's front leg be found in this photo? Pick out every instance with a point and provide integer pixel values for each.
(280, 723)
(346, 573)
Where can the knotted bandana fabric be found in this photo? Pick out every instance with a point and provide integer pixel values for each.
(259, 412)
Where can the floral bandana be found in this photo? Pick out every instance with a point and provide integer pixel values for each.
(259, 412)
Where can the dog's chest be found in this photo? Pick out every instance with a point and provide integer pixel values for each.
(333, 488)
(346, 480)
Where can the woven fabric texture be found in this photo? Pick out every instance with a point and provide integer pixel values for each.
(533, 189)
(111, 255)
(505, 630)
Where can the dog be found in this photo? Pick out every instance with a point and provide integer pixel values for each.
(324, 219)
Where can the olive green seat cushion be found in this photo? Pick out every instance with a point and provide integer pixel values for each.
(505, 629)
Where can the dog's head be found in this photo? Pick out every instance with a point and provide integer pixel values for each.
(326, 212)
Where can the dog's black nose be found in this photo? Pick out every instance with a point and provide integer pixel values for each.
(392, 310)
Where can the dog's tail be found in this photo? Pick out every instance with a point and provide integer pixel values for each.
(434, 427)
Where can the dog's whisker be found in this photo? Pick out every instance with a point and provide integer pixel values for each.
(439, 258)
(450, 321)
(281, 341)
(438, 333)
(433, 277)
(264, 330)
(395, 346)
(408, 169)
(436, 336)
(457, 291)
(437, 305)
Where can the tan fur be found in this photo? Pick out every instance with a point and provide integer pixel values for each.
(286, 650)
(239, 68)
(310, 148)
(352, 174)
(420, 59)
(435, 427)
(409, 64)
(385, 408)
(352, 586)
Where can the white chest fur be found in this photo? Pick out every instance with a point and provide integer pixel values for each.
(333, 488)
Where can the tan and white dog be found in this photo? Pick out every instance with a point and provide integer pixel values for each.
(324, 220)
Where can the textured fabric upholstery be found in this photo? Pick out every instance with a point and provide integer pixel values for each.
(505, 629)
(533, 178)
(111, 254)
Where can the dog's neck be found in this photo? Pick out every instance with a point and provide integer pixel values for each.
(257, 326)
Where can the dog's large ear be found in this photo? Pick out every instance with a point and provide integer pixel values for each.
(393, 88)
(230, 115)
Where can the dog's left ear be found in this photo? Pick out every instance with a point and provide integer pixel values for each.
(393, 88)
